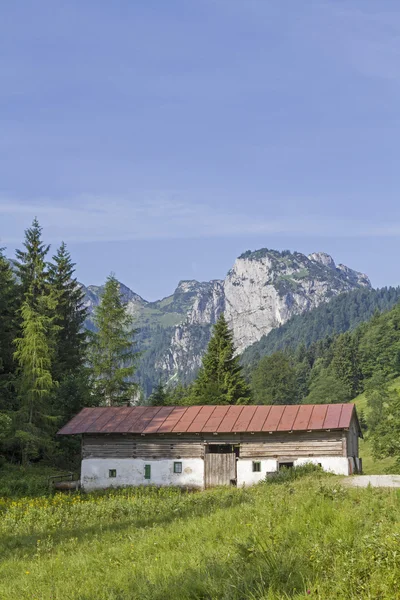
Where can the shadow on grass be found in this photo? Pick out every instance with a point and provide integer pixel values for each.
(11, 544)
(268, 572)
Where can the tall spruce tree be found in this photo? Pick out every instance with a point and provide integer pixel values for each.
(70, 315)
(35, 383)
(31, 265)
(346, 362)
(8, 332)
(112, 355)
(220, 379)
(274, 380)
(159, 396)
(35, 347)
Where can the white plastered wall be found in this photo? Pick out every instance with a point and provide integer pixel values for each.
(244, 470)
(333, 464)
(130, 472)
(245, 475)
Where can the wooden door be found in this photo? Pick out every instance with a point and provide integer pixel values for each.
(220, 469)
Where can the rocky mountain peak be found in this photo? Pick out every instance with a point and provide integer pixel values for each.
(323, 258)
(262, 291)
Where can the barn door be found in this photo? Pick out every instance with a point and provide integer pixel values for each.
(220, 469)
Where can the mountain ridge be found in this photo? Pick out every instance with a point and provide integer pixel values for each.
(262, 290)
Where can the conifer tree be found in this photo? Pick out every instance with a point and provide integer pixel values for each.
(35, 347)
(274, 380)
(31, 264)
(220, 379)
(346, 363)
(159, 397)
(8, 331)
(112, 357)
(70, 315)
(33, 354)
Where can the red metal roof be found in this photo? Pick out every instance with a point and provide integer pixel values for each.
(210, 419)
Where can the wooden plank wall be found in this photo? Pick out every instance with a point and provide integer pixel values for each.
(125, 446)
(317, 443)
(352, 439)
(110, 446)
(219, 469)
(294, 444)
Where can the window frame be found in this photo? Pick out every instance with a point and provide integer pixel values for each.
(147, 471)
(112, 473)
(256, 466)
(179, 465)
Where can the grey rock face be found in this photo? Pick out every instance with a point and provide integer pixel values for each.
(263, 290)
(323, 258)
(266, 288)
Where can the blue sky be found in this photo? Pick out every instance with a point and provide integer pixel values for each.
(161, 139)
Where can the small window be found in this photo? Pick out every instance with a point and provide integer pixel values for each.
(177, 467)
(147, 471)
(256, 467)
(112, 473)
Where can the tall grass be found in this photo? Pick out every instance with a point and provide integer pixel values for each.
(303, 538)
(18, 482)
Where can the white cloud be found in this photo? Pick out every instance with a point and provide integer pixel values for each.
(99, 219)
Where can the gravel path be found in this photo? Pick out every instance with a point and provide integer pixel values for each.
(374, 480)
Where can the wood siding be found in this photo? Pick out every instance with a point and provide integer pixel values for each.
(110, 446)
(317, 443)
(352, 439)
(219, 469)
(129, 446)
(259, 445)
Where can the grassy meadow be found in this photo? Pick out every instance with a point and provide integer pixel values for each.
(304, 538)
(303, 535)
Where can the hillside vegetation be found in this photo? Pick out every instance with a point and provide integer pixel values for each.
(340, 314)
(335, 369)
(305, 538)
(372, 465)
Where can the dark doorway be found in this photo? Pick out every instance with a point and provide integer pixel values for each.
(285, 465)
(222, 449)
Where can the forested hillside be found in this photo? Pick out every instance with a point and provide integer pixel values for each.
(335, 369)
(343, 313)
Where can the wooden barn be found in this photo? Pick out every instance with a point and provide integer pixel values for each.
(203, 446)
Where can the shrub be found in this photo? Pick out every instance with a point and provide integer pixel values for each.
(286, 474)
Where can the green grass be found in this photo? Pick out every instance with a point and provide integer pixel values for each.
(307, 538)
(18, 482)
(372, 466)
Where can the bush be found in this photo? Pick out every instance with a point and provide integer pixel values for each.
(286, 474)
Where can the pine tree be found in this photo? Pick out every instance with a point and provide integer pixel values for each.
(113, 360)
(159, 397)
(220, 379)
(70, 315)
(31, 264)
(345, 363)
(274, 380)
(33, 354)
(8, 332)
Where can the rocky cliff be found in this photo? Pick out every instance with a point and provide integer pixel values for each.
(262, 291)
